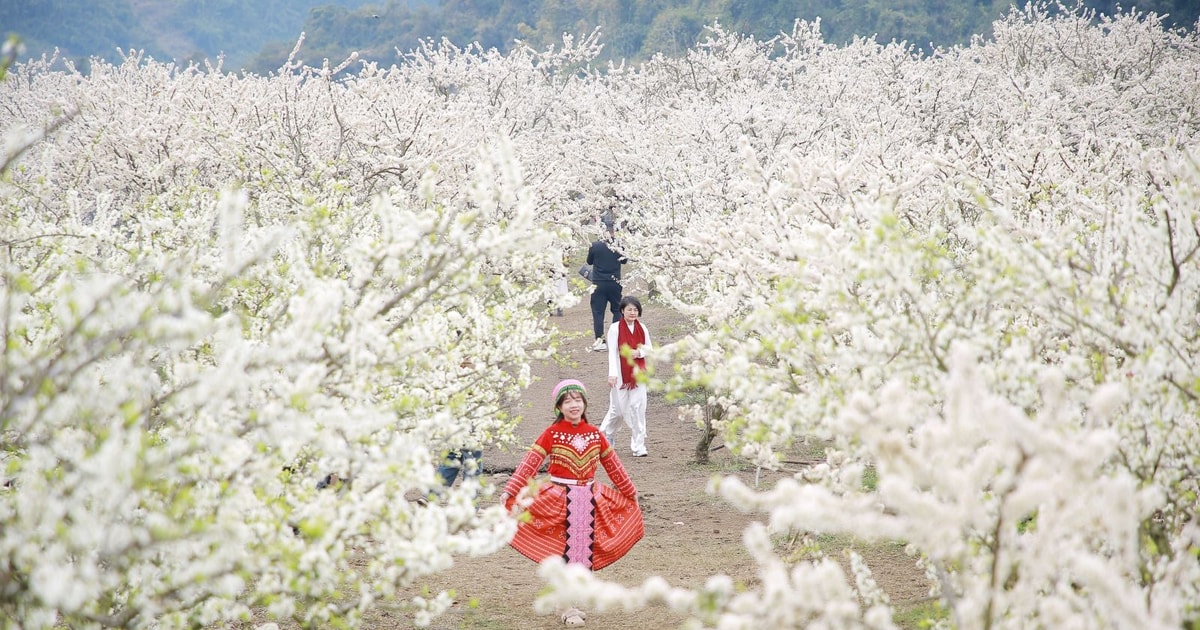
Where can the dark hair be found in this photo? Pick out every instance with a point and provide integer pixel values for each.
(627, 300)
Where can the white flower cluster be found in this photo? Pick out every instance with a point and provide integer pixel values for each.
(972, 273)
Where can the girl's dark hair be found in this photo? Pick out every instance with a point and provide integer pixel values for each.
(627, 300)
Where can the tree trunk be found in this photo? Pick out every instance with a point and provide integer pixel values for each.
(712, 412)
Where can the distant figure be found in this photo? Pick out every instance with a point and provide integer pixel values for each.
(561, 289)
(608, 220)
(464, 461)
(467, 462)
(628, 343)
(606, 263)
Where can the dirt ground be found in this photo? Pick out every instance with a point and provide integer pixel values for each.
(690, 535)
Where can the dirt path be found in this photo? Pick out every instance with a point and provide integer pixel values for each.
(690, 535)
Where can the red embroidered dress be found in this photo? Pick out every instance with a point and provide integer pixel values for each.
(572, 516)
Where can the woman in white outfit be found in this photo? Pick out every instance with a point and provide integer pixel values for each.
(628, 343)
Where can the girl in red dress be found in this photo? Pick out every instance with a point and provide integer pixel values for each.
(572, 516)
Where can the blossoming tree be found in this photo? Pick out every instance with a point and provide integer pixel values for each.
(972, 273)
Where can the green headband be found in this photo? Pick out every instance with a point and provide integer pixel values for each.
(569, 385)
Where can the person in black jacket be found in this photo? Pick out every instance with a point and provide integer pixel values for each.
(606, 263)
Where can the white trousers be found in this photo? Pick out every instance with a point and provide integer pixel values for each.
(629, 405)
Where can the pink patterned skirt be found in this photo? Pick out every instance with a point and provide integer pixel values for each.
(590, 525)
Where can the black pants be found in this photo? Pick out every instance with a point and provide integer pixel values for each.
(608, 294)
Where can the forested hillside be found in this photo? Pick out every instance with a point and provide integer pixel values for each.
(635, 30)
(260, 35)
(163, 29)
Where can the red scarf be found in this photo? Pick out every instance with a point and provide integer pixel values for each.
(630, 339)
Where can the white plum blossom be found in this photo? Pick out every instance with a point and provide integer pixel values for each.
(970, 276)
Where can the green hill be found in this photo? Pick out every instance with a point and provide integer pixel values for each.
(258, 35)
(634, 30)
(164, 29)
